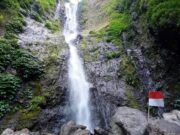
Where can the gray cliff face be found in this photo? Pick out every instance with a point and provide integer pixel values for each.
(107, 91)
(45, 44)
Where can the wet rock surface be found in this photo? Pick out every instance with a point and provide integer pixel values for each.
(72, 129)
(107, 91)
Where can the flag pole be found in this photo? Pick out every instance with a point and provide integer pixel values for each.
(148, 113)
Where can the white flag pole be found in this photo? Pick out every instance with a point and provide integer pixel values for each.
(148, 112)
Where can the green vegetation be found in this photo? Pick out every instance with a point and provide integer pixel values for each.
(1, 19)
(9, 86)
(26, 119)
(115, 20)
(112, 55)
(128, 72)
(117, 24)
(16, 65)
(4, 107)
(5, 4)
(36, 16)
(45, 6)
(27, 66)
(131, 101)
(164, 14)
(53, 25)
(15, 25)
(119, 20)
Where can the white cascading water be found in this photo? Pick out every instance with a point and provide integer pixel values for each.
(79, 87)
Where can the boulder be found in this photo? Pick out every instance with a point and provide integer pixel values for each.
(128, 121)
(173, 117)
(8, 131)
(100, 131)
(162, 127)
(72, 129)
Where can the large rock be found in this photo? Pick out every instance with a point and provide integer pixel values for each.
(173, 117)
(72, 129)
(9, 131)
(100, 131)
(162, 127)
(108, 90)
(128, 121)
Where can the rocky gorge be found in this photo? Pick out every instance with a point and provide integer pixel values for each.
(120, 68)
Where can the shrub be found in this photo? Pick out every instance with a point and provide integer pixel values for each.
(27, 66)
(6, 51)
(119, 19)
(10, 36)
(46, 5)
(113, 55)
(1, 19)
(4, 108)
(5, 4)
(16, 25)
(25, 3)
(164, 14)
(52, 25)
(37, 17)
(118, 23)
(37, 101)
(128, 72)
(9, 85)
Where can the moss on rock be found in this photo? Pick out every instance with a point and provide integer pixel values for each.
(127, 71)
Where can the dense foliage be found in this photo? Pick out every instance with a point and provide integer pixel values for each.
(52, 25)
(9, 85)
(45, 5)
(15, 25)
(27, 66)
(164, 14)
(5, 55)
(119, 19)
(16, 65)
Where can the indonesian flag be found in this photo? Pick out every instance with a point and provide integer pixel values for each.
(156, 98)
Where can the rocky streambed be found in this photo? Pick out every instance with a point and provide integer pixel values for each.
(126, 121)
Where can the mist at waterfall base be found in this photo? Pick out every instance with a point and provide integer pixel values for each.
(78, 85)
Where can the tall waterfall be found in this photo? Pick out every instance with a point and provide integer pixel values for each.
(79, 87)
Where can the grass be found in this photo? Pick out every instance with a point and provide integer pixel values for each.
(164, 14)
(127, 71)
(131, 101)
(46, 5)
(105, 20)
(112, 55)
(53, 25)
(117, 24)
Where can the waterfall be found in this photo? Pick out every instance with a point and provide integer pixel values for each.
(79, 87)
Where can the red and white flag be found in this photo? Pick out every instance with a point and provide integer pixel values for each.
(156, 98)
